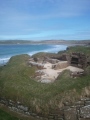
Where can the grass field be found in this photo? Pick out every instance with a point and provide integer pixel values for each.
(5, 116)
(16, 84)
(81, 49)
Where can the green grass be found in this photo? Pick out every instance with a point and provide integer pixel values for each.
(5, 116)
(81, 49)
(16, 84)
(41, 55)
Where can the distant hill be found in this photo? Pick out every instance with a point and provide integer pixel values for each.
(14, 42)
(68, 42)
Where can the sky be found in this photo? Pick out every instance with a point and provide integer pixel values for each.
(44, 19)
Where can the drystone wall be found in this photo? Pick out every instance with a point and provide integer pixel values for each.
(80, 110)
(79, 60)
(61, 65)
(75, 59)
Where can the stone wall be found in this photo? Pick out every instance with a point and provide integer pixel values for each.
(78, 59)
(80, 110)
(61, 65)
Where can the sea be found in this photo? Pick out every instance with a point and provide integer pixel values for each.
(7, 51)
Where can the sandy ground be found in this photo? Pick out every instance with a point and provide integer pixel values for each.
(50, 74)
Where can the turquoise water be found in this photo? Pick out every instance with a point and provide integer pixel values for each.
(7, 51)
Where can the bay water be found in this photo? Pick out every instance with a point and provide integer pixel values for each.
(7, 51)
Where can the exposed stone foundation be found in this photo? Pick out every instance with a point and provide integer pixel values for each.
(77, 111)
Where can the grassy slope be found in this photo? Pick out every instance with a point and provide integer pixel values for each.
(5, 116)
(16, 84)
(82, 49)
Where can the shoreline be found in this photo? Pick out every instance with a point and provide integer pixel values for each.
(4, 60)
(53, 49)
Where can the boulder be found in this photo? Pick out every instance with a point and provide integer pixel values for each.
(21, 107)
(85, 112)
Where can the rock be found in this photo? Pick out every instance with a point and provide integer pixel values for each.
(70, 114)
(23, 108)
(87, 99)
(85, 112)
(27, 113)
(5, 102)
(76, 74)
(87, 102)
(18, 103)
(79, 103)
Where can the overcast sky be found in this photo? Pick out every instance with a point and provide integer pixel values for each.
(45, 19)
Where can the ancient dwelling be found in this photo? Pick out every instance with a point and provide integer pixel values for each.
(76, 59)
(48, 69)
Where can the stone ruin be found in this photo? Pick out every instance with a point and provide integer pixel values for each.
(60, 65)
(61, 61)
(47, 68)
(78, 110)
(56, 63)
(76, 59)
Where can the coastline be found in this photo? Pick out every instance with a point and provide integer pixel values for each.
(55, 42)
(67, 43)
(9, 50)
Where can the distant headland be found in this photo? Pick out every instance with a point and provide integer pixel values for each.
(68, 42)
